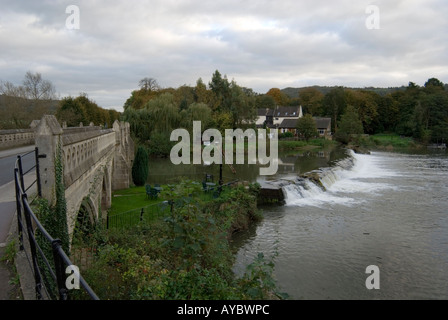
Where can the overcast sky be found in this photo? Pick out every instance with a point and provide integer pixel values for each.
(260, 44)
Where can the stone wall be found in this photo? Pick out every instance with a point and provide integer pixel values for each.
(10, 139)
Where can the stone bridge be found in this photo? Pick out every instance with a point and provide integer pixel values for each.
(96, 161)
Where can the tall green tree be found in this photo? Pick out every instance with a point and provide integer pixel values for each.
(140, 169)
(196, 112)
(350, 124)
(163, 112)
(242, 105)
(311, 100)
(333, 105)
(220, 87)
(307, 127)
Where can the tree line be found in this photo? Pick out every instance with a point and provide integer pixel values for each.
(420, 112)
(154, 112)
(36, 96)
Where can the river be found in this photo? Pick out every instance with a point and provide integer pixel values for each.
(389, 210)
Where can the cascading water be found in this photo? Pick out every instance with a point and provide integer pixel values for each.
(322, 186)
(385, 209)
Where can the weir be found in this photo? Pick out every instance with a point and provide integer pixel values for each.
(284, 191)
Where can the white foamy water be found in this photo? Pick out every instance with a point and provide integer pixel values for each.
(387, 209)
(364, 176)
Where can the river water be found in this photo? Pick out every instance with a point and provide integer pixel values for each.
(386, 209)
(389, 210)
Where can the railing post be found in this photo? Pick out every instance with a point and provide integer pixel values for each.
(22, 183)
(29, 226)
(141, 214)
(59, 268)
(39, 186)
(18, 209)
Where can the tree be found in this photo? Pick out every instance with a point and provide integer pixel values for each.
(281, 99)
(37, 88)
(307, 127)
(163, 112)
(149, 84)
(265, 101)
(334, 104)
(71, 112)
(349, 124)
(220, 86)
(140, 123)
(311, 100)
(82, 109)
(140, 169)
(242, 105)
(367, 106)
(196, 112)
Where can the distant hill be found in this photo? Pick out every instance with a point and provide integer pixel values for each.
(294, 92)
(51, 104)
(18, 113)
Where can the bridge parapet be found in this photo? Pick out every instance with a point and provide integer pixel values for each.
(16, 138)
(82, 149)
(96, 161)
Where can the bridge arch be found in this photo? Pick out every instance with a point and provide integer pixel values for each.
(85, 221)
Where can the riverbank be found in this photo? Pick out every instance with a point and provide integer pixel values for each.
(387, 142)
(183, 255)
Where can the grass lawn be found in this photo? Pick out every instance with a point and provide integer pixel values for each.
(130, 199)
(304, 145)
(127, 205)
(394, 140)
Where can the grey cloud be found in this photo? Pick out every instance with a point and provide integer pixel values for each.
(261, 44)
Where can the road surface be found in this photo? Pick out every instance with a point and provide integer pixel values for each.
(8, 208)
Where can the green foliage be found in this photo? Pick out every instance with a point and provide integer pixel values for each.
(164, 113)
(140, 123)
(196, 112)
(349, 125)
(160, 144)
(82, 109)
(140, 168)
(385, 141)
(285, 135)
(307, 127)
(258, 282)
(10, 253)
(184, 256)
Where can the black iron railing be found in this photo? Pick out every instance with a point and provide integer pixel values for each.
(43, 267)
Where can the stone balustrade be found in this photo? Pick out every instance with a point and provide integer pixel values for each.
(16, 138)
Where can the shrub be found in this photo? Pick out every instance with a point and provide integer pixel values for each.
(140, 169)
(160, 144)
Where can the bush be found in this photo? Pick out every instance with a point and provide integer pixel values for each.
(140, 168)
(184, 256)
(286, 135)
(160, 145)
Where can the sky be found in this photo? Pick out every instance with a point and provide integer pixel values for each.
(103, 48)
